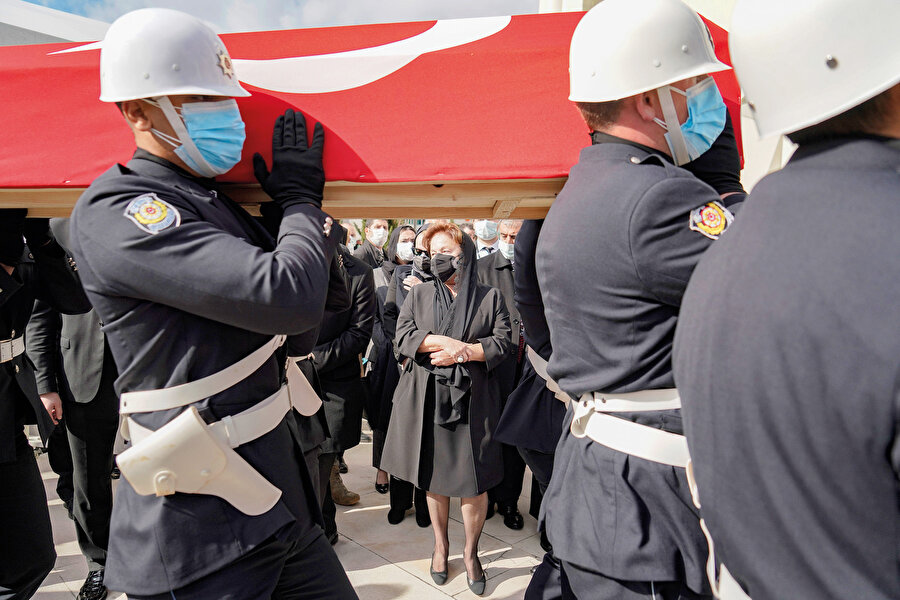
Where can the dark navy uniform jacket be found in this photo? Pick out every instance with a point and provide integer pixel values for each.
(186, 284)
(613, 259)
(787, 356)
(533, 416)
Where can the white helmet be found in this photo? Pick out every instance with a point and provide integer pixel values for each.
(800, 62)
(161, 52)
(625, 47)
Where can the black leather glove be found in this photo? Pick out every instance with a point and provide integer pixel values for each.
(297, 175)
(12, 222)
(720, 166)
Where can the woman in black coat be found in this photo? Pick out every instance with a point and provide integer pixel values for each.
(450, 334)
(384, 373)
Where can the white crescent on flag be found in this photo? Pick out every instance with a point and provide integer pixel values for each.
(346, 70)
(338, 71)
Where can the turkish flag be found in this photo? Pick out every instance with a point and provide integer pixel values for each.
(445, 101)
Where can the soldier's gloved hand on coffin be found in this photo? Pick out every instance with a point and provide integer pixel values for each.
(720, 166)
(297, 175)
(12, 244)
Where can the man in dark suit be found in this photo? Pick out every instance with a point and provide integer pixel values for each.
(496, 270)
(39, 271)
(343, 337)
(73, 363)
(371, 251)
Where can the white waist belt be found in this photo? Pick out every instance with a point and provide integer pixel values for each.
(540, 367)
(626, 436)
(9, 349)
(194, 391)
(235, 430)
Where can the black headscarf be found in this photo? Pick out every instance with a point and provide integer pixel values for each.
(452, 318)
(390, 256)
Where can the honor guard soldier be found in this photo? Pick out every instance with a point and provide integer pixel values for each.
(613, 259)
(196, 299)
(787, 348)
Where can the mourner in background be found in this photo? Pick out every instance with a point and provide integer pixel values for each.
(404, 494)
(787, 344)
(617, 510)
(451, 333)
(343, 338)
(485, 237)
(382, 369)
(371, 251)
(40, 270)
(73, 364)
(227, 503)
(497, 270)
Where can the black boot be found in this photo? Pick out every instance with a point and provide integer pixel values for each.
(400, 494)
(423, 517)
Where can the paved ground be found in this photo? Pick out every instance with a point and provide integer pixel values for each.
(383, 561)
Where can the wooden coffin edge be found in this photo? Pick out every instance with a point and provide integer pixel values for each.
(497, 199)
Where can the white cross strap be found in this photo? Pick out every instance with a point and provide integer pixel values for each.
(194, 391)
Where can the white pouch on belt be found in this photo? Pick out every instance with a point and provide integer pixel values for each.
(185, 456)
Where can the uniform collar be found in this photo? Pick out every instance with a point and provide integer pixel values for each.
(598, 137)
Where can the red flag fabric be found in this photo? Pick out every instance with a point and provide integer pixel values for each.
(459, 100)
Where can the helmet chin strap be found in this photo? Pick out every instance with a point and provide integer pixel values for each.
(165, 104)
(672, 126)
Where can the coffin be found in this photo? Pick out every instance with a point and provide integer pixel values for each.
(452, 118)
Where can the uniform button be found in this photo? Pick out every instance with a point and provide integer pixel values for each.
(635, 160)
(17, 368)
(12, 333)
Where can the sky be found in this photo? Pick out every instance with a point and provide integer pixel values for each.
(256, 15)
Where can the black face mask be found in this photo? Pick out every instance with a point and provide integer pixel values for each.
(444, 266)
(422, 262)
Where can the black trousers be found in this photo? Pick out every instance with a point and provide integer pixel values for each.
(329, 510)
(507, 492)
(27, 554)
(92, 433)
(281, 570)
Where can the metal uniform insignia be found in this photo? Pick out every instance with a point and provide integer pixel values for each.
(711, 220)
(225, 64)
(152, 214)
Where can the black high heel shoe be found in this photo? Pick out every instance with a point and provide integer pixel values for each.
(439, 577)
(477, 586)
(382, 488)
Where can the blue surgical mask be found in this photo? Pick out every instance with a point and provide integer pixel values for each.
(705, 122)
(214, 131)
(507, 250)
(485, 230)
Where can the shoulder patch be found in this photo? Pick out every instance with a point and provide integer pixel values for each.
(711, 220)
(152, 214)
